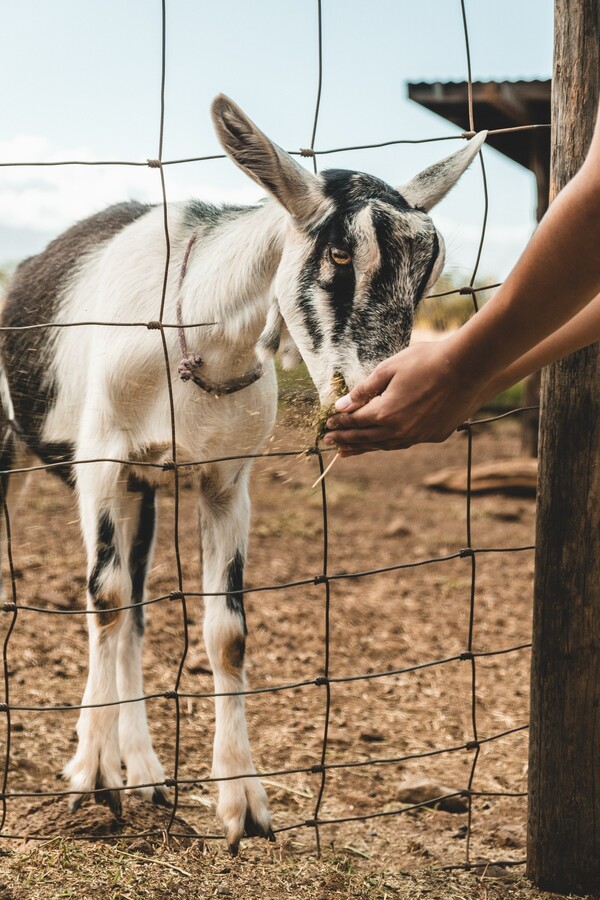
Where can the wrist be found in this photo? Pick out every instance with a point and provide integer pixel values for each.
(462, 369)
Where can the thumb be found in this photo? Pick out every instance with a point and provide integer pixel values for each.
(360, 395)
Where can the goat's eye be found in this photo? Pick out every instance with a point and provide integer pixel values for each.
(340, 257)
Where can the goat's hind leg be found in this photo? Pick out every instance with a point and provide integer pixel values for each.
(13, 454)
(242, 806)
(96, 766)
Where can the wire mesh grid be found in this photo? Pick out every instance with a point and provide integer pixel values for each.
(324, 578)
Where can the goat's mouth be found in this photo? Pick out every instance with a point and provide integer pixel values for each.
(338, 388)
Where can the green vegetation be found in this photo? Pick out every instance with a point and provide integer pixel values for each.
(453, 310)
(510, 398)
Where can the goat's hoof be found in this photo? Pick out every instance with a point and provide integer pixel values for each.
(85, 781)
(254, 828)
(112, 799)
(75, 801)
(243, 810)
(160, 797)
(145, 776)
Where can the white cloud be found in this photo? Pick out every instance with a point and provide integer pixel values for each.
(49, 199)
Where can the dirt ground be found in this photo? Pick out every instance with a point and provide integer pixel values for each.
(379, 514)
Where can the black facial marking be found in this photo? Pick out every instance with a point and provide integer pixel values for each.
(423, 283)
(106, 553)
(235, 582)
(141, 547)
(304, 302)
(33, 297)
(384, 324)
(386, 316)
(342, 282)
(352, 190)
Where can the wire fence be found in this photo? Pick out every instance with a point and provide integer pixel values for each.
(14, 610)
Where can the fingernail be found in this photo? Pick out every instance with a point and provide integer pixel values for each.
(328, 439)
(343, 402)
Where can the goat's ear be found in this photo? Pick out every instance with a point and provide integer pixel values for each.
(266, 163)
(432, 184)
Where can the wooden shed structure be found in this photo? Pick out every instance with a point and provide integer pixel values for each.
(497, 106)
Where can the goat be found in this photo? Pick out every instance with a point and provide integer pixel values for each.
(333, 265)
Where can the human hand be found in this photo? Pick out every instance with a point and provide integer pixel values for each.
(417, 396)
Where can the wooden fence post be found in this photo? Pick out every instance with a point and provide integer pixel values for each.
(564, 760)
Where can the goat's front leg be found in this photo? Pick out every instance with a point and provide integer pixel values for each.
(142, 763)
(242, 806)
(97, 762)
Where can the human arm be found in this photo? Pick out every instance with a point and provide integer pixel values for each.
(424, 392)
(580, 331)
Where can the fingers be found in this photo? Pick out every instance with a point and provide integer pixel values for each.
(364, 416)
(351, 442)
(351, 437)
(375, 384)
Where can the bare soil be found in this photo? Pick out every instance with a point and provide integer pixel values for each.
(379, 515)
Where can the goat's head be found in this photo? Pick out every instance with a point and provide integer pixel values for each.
(358, 255)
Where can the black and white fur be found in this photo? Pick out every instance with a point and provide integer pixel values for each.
(268, 276)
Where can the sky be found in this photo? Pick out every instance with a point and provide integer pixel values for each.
(80, 79)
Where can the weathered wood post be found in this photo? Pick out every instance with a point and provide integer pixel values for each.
(564, 776)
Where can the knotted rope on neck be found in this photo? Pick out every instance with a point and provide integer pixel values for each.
(191, 364)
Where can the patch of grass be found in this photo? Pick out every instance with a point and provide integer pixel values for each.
(444, 313)
(141, 870)
(298, 399)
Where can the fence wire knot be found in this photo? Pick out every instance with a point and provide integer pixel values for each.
(176, 595)
(3, 707)
(170, 782)
(307, 151)
(321, 680)
(466, 552)
(154, 163)
(168, 466)
(472, 745)
(317, 769)
(154, 325)
(467, 291)
(320, 579)
(9, 607)
(170, 695)
(467, 654)
(311, 823)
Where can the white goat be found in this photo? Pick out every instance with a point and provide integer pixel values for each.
(338, 262)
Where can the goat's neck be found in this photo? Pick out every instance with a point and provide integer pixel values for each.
(231, 273)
